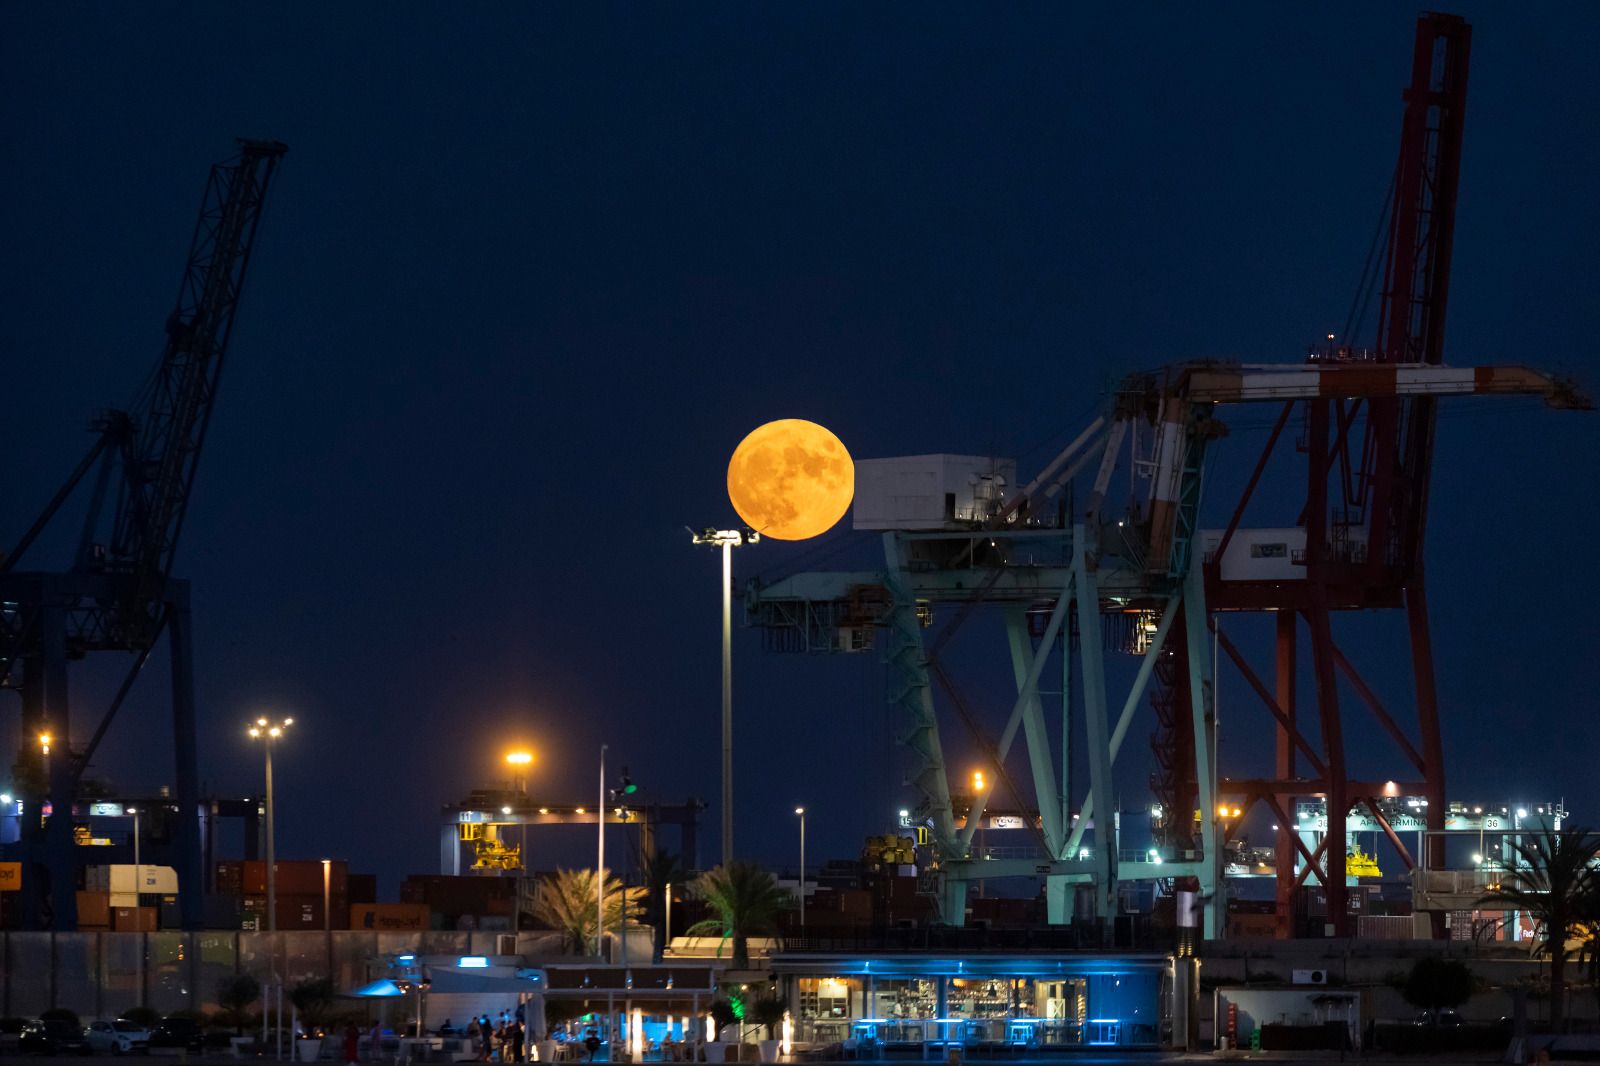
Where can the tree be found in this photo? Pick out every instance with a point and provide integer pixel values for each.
(768, 1012)
(724, 1014)
(567, 903)
(1551, 878)
(746, 900)
(234, 996)
(144, 1016)
(660, 870)
(1436, 983)
(314, 997)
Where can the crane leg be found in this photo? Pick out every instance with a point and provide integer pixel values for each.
(186, 842)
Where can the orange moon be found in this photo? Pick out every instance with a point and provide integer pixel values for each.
(791, 479)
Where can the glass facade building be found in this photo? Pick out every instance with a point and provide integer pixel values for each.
(893, 1002)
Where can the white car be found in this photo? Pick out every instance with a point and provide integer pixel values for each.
(118, 1037)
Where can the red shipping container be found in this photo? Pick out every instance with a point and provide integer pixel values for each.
(304, 877)
(133, 919)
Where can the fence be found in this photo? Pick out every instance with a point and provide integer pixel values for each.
(98, 975)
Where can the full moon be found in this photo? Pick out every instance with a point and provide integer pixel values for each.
(791, 479)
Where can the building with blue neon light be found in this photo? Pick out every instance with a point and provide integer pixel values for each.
(880, 1004)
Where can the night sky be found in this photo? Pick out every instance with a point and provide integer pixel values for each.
(529, 273)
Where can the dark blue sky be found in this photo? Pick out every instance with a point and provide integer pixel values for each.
(530, 273)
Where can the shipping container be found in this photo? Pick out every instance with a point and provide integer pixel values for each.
(133, 919)
(295, 911)
(304, 877)
(94, 910)
(363, 888)
(293, 877)
(224, 912)
(391, 917)
(127, 878)
(230, 878)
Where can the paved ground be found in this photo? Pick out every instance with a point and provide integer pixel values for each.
(1076, 1058)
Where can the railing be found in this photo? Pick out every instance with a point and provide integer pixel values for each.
(1475, 882)
(1129, 933)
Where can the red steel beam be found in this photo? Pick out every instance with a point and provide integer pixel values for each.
(1284, 721)
(1384, 718)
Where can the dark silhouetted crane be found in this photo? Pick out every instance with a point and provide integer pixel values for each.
(119, 593)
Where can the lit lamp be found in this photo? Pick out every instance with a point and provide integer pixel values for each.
(269, 732)
(727, 540)
(801, 811)
(138, 871)
(519, 761)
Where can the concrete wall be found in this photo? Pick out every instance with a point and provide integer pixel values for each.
(99, 975)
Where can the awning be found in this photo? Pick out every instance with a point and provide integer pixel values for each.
(474, 981)
(383, 988)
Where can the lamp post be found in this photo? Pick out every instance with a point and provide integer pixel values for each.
(666, 936)
(268, 732)
(727, 540)
(519, 761)
(327, 913)
(801, 811)
(138, 871)
(600, 862)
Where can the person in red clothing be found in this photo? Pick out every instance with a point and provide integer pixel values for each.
(352, 1044)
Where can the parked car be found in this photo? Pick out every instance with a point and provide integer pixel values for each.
(52, 1037)
(119, 1037)
(1444, 1019)
(11, 1034)
(178, 1032)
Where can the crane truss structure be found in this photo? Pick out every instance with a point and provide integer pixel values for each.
(119, 594)
(1356, 545)
(1124, 576)
(1368, 469)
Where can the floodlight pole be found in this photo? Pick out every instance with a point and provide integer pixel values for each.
(600, 864)
(727, 540)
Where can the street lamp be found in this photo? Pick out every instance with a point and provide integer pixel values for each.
(600, 863)
(268, 731)
(666, 936)
(801, 811)
(519, 761)
(727, 540)
(138, 871)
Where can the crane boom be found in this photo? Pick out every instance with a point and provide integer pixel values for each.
(161, 450)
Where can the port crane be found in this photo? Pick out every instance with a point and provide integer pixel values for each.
(1081, 565)
(119, 594)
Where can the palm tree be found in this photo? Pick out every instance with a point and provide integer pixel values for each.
(746, 900)
(1552, 879)
(660, 870)
(566, 902)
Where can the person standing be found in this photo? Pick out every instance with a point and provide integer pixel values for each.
(375, 1042)
(517, 1037)
(352, 1044)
